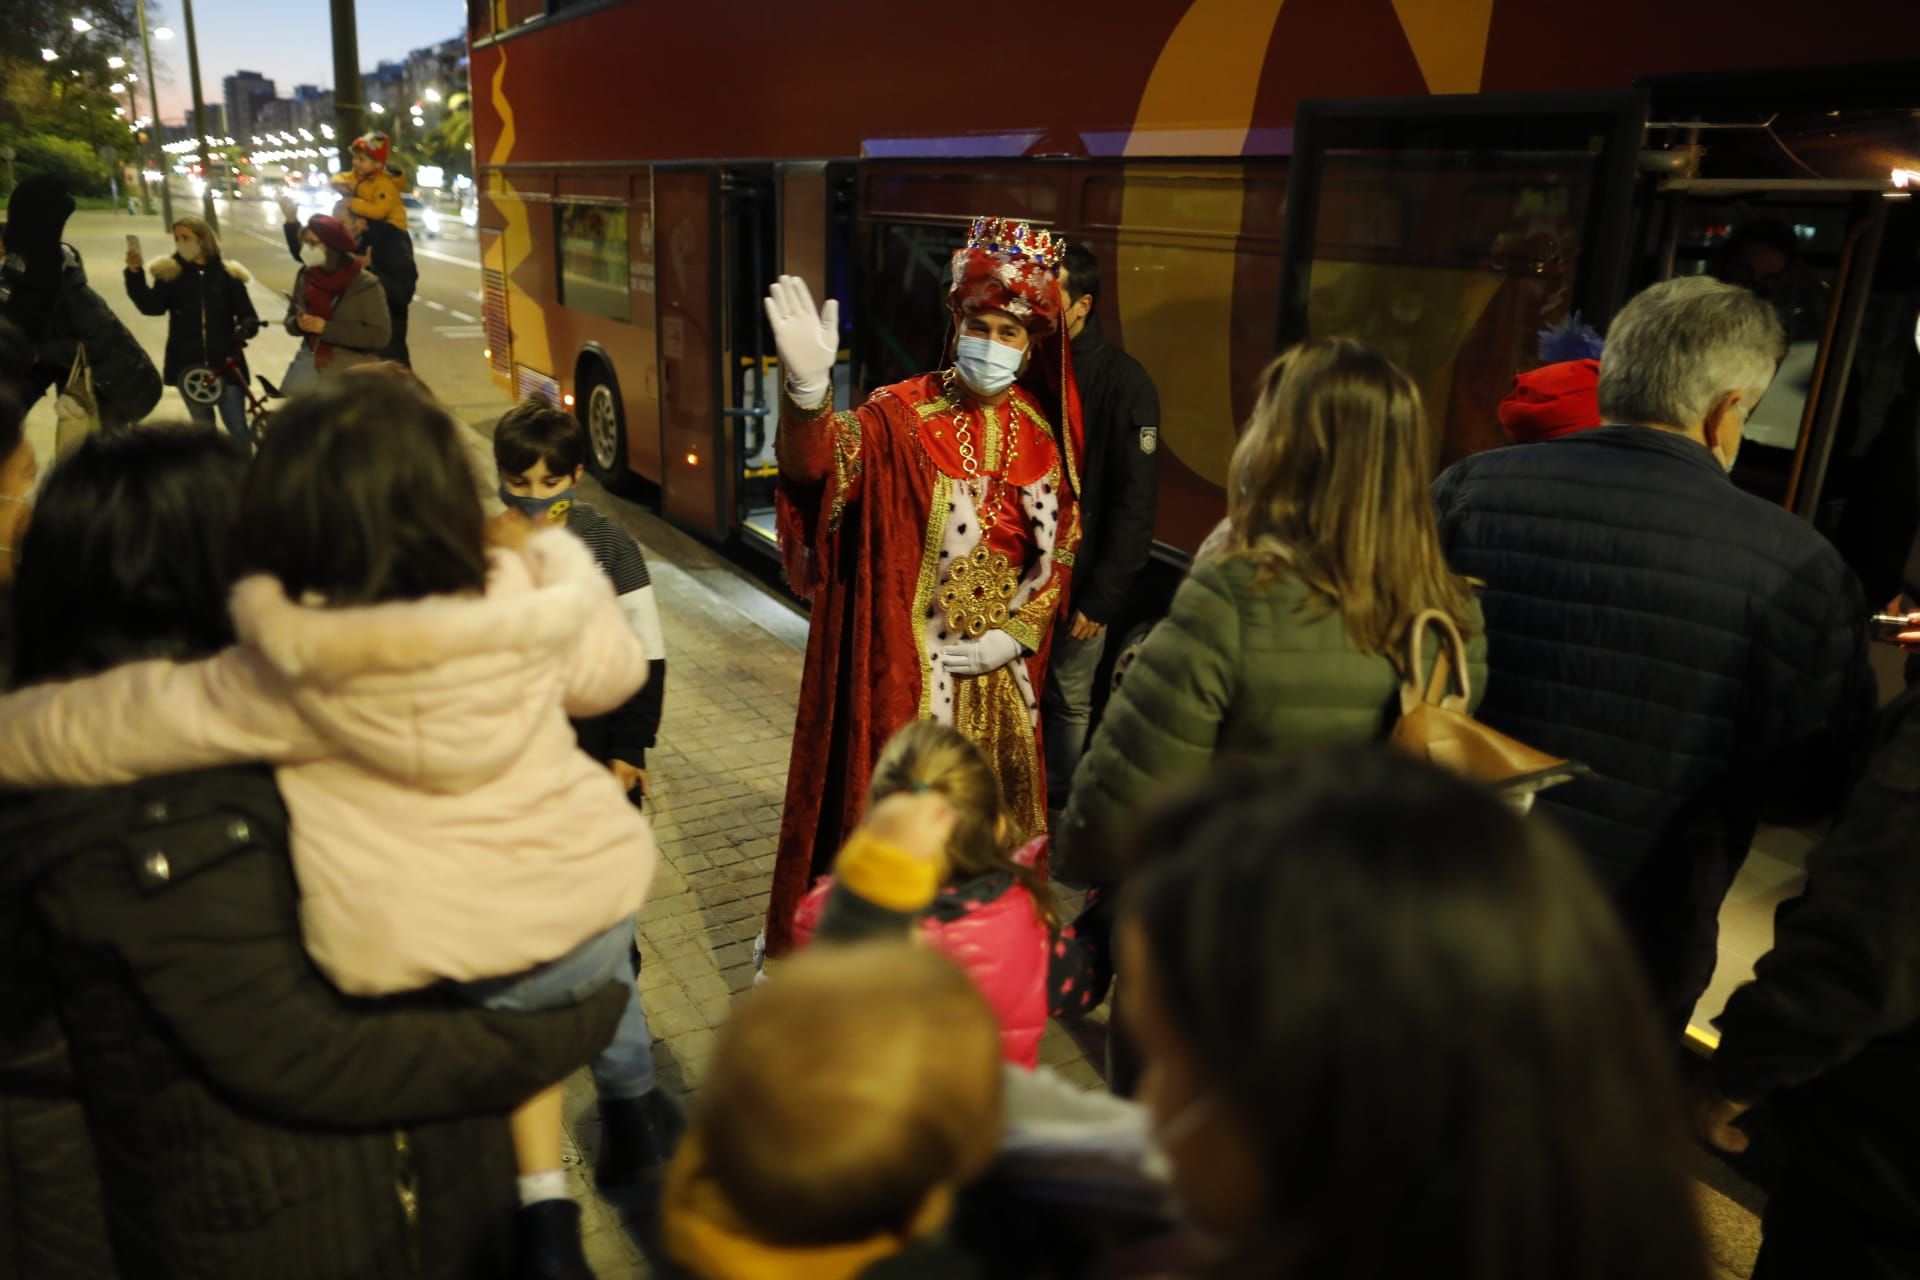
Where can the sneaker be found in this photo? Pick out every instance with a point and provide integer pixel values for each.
(546, 1242)
(637, 1137)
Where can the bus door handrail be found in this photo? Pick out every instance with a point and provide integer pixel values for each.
(1821, 418)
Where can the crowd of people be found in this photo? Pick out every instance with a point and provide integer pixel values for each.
(325, 832)
(347, 304)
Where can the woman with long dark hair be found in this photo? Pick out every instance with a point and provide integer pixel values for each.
(247, 1119)
(1390, 1029)
(1293, 636)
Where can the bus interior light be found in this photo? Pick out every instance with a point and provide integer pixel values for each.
(693, 459)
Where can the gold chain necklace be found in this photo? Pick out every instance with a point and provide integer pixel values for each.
(981, 584)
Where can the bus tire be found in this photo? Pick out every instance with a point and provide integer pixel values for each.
(604, 418)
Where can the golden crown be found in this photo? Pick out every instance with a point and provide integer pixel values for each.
(1004, 235)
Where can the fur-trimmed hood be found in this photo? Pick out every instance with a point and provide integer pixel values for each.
(445, 691)
(171, 268)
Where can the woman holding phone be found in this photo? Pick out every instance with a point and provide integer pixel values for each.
(209, 318)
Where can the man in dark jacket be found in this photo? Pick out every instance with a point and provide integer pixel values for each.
(1829, 1029)
(44, 291)
(1703, 650)
(1119, 478)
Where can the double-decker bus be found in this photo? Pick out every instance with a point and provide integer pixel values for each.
(1443, 177)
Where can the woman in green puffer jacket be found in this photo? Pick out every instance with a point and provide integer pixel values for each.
(1289, 636)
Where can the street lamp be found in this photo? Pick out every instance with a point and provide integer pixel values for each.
(82, 26)
(431, 95)
(374, 107)
(163, 33)
(48, 55)
(116, 62)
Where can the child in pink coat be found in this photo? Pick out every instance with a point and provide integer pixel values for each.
(994, 914)
(414, 690)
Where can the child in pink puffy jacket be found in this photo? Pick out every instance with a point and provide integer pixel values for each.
(994, 914)
(413, 689)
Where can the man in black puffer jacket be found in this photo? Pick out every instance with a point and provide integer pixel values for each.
(1702, 649)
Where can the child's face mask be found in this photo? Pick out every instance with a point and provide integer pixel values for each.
(549, 510)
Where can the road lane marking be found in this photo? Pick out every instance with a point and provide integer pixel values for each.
(460, 315)
(459, 330)
(435, 305)
(472, 264)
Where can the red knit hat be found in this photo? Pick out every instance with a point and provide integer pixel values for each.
(1552, 401)
(332, 233)
(375, 146)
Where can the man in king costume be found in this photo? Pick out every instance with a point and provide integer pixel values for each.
(933, 529)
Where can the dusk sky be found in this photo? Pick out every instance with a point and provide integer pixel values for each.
(288, 41)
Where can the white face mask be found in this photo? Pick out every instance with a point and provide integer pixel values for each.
(314, 255)
(988, 367)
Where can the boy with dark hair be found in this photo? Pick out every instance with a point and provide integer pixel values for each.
(541, 454)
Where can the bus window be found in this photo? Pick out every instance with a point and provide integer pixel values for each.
(1450, 264)
(903, 313)
(1448, 234)
(592, 240)
(1788, 251)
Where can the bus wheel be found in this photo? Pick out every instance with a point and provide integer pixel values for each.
(606, 424)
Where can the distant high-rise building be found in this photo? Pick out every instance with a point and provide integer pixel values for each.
(311, 107)
(245, 92)
(272, 115)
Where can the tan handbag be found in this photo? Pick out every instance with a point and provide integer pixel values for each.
(77, 410)
(1436, 726)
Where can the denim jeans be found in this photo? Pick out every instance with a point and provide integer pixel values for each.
(233, 412)
(1067, 706)
(624, 1068)
(302, 374)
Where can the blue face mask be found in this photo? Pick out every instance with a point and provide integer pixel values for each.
(987, 367)
(540, 510)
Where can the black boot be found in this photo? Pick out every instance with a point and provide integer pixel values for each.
(546, 1242)
(637, 1137)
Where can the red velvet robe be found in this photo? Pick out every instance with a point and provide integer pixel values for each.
(872, 511)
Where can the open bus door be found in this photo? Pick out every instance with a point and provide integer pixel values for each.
(1448, 232)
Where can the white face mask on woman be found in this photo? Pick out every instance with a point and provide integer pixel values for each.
(314, 255)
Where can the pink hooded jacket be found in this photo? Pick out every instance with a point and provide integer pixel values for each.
(445, 824)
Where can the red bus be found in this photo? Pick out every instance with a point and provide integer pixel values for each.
(1463, 174)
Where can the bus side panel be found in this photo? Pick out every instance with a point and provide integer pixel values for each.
(690, 401)
(638, 360)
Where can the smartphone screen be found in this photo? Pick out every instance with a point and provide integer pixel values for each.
(1885, 626)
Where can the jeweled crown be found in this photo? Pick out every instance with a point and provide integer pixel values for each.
(1005, 235)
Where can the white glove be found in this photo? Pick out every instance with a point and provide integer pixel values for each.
(977, 657)
(807, 340)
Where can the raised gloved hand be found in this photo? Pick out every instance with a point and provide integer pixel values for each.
(977, 657)
(807, 340)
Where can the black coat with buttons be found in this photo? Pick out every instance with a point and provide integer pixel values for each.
(247, 1119)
